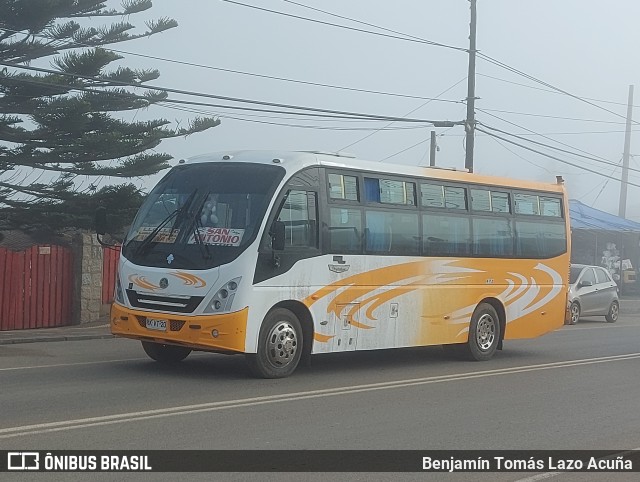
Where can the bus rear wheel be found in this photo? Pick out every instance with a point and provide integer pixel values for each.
(165, 353)
(484, 333)
(279, 346)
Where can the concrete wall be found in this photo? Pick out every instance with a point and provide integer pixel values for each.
(87, 297)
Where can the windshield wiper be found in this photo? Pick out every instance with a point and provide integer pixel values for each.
(195, 224)
(149, 239)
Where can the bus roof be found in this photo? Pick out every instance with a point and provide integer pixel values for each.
(294, 161)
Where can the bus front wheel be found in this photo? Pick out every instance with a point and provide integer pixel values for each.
(484, 333)
(279, 346)
(165, 353)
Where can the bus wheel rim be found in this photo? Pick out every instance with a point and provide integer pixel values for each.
(485, 332)
(282, 344)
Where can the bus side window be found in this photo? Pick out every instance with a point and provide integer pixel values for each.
(445, 235)
(345, 230)
(392, 233)
(299, 216)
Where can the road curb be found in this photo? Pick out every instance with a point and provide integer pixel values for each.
(17, 340)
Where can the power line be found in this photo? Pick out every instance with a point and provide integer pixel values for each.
(408, 113)
(321, 117)
(282, 124)
(405, 37)
(553, 117)
(356, 115)
(599, 159)
(485, 57)
(546, 84)
(286, 116)
(252, 74)
(604, 184)
(521, 157)
(554, 158)
(404, 150)
(550, 91)
(544, 136)
(367, 116)
(608, 163)
(375, 26)
(318, 84)
(168, 103)
(284, 79)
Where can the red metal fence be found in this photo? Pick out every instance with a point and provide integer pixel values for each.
(109, 270)
(36, 287)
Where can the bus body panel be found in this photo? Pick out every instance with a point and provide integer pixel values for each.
(394, 302)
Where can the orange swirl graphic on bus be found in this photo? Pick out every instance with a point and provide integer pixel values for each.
(190, 279)
(142, 282)
(447, 291)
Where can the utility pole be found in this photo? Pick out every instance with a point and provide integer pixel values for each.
(432, 151)
(470, 123)
(622, 208)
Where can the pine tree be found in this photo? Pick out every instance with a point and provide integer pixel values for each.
(62, 122)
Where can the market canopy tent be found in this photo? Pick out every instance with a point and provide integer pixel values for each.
(585, 217)
(602, 239)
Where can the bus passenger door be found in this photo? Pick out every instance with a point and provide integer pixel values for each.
(296, 210)
(344, 319)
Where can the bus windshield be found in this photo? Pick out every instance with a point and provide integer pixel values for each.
(201, 216)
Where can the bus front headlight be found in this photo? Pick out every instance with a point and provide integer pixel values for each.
(223, 299)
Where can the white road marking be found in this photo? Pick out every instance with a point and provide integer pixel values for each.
(287, 397)
(606, 326)
(546, 475)
(57, 365)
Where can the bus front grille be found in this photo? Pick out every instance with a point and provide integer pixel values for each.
(175, 304)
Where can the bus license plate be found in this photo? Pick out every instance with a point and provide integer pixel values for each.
(159, 325)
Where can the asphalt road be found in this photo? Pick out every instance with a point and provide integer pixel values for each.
(576, 388)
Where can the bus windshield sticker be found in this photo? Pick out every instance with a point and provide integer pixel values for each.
(165, 235)
(218, 236)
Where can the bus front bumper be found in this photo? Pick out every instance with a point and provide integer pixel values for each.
(221, 332)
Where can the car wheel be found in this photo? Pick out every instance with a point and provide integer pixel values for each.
(165, 353)
(279, 346)
(574, 313)
(614, 311)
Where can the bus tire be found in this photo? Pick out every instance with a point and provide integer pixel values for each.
(484, 333)
(165, 353)
(279, 346)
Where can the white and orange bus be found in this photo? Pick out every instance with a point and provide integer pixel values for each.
(280, 255)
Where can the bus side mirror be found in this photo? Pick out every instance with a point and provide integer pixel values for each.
(277, 236)
(101, 221)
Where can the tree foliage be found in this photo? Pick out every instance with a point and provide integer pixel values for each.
(61, 122)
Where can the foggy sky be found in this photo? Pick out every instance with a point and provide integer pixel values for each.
(584, 47)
